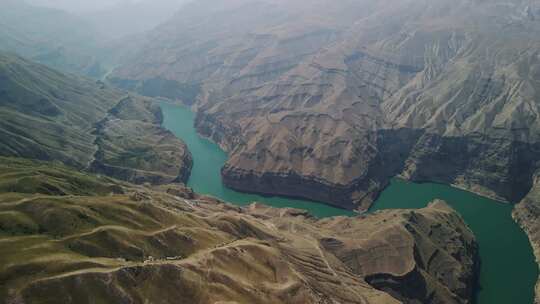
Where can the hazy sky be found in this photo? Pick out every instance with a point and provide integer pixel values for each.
(83, 6)
(117, 18)
(75, 5)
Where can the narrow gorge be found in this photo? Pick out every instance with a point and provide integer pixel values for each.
(270, 151)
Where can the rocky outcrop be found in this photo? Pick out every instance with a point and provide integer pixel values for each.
(493, 167)
(387, 159)
(141, 153)
(309, 102)
(527, 214)
(293, 185)
(416, 256)
(133, 147)
(166, 244)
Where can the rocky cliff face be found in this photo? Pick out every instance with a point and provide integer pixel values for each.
(332, 101)
(132, 146)
(118, 242)
(48, 115)
(527, 214)
(416, 256)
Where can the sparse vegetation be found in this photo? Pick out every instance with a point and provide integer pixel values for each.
(162, 244)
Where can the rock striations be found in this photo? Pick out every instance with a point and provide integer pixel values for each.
(122, 243)
(527, 214)
(330, 99)
(85, 124)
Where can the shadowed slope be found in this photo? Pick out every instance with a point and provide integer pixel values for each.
(527, 214)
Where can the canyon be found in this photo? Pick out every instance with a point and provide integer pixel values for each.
(321, 101)
(330, 104)
(71, 232)
(502, 255)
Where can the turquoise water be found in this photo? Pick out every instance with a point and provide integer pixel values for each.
(508, 271)
(208, 158)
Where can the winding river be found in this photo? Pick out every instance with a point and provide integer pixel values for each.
(508, 269)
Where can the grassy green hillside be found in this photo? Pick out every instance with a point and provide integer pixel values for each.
(48, 115)
(57, 221)
(26, 176)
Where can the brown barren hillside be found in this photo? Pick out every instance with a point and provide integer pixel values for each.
(118, 242)
(330, 99)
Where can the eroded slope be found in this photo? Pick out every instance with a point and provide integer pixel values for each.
(329, 99)
(48, 115)
(165, 244)
(527, 214)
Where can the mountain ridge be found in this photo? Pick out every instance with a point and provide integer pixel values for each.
(84, 123)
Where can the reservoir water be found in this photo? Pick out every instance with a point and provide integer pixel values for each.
(508, 271)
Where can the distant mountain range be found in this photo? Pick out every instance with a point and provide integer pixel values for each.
(50, 36)
(128, 18)
(82, 40)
